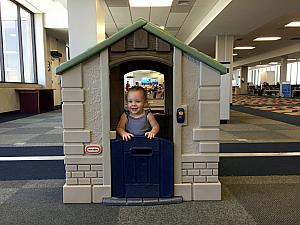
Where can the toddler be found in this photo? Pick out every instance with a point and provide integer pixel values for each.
(137, 121)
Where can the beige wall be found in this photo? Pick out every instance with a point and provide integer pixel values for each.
(53, 80)
(190, 85)
(92, 94)
(9, 97)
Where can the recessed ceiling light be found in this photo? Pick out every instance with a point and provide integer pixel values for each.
(234, 54)
(152, 3)
(261, 65)
(293, 24)
(273, 63)
(267, 38)
(244, 47)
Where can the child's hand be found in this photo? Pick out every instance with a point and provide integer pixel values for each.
(150, 135)
(127, 136)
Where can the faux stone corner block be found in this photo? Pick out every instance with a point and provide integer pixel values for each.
(206, 191)
(72, 115)
(72, 95)
(77, 194)
(73, 149)
(209, 76)
(100, 192)
(72, 78)
(209, 147)
(200, 158)
(208, 93)
(184, 190)
(76, 136)
(83, 160)
(206, 134)
(209, 114)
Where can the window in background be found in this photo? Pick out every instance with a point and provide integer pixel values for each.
(27, 46)
(294, 73)
(17, 52)
(10, 37)
(298, 74)
(288, 72)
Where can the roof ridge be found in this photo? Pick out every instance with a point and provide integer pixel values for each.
(151, 28)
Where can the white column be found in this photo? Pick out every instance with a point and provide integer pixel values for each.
(224, 49)
(244, 78)
(283, 69)
(86, 21)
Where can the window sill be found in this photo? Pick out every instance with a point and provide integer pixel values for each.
(19, 85)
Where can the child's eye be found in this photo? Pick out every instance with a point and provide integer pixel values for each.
(138, 101)
(130, 101)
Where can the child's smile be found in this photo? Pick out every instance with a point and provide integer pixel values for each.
(136, 103)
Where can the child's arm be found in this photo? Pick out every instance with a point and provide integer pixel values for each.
(154, 124)
(121, 128)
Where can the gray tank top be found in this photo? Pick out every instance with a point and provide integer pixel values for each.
(138, 126)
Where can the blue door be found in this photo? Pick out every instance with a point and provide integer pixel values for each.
(142, 168)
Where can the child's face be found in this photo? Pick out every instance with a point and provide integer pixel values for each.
(136, 102)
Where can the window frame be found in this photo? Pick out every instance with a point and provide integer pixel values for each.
(21, 61)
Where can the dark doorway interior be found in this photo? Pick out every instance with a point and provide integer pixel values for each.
(117, 73)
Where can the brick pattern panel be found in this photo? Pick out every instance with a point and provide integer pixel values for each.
(84, 174)
(198, 172)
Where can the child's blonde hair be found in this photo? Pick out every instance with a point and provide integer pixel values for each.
(138, 88)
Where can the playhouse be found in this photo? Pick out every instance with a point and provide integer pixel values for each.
(93, 103)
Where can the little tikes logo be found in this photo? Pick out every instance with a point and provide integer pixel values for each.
(93, 149)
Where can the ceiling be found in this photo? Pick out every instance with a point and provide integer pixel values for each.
(198, 22)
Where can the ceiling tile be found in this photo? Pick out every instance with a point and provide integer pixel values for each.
(176, 19)
(121, 16)
(172, 30)
(137, 12)
(159, 15)
(181, 9)
(117, 3)
(196, 15)
(181, 6)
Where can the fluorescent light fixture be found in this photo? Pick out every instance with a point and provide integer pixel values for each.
(152, 3)
(292, 59)
(293, 24)
(244, 48)
(267, 38)
(261, 65)
(273, 63)
(234, 54)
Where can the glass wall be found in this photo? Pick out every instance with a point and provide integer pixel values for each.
(254, 74)
(293, 73)
(17, 50)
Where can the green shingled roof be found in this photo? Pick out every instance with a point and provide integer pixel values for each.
(151, 28)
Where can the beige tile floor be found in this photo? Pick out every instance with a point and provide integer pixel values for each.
(244, 127)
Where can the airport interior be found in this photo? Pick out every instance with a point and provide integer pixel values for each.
(250, 173)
